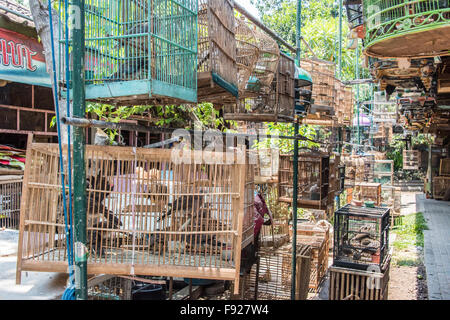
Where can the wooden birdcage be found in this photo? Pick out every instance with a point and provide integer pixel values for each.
(266, 67)
(247, 52)
(348, 102)
(367, 191)
(271, 278)
(444, 167)
(440, 187)
(313, 179)
(277, 105)
(154, 212)
(411, 159)
(10, 194)
(351, 284)
(318, 238)
(137, 52)
(217, 66)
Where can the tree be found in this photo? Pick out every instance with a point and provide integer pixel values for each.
(41, 18)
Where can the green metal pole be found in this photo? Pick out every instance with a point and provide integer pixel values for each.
(340, 41)
(357, 91)
(79, 168)
(295, 180)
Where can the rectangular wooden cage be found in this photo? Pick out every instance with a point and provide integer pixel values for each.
(147, 212)
(313, 179)
(10, 194)
(137, 51)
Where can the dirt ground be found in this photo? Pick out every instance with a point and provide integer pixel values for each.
(407, 283)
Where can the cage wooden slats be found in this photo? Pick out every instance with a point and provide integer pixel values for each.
(411, 159)
(318, 238)
(444, 167)
(313, 179)
(440, 186)
(350, 284)
(273, 278)
(216, 65)
(366, 191)
(323, 90)
(147, 212)
(10, 194)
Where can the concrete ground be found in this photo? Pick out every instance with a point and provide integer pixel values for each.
(35, 285)
(437, 246)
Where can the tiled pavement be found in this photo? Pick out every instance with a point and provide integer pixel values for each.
(437, 246)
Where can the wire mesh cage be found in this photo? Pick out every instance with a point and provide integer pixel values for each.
(10, 195)
(147, 212)
(361, 237)
(313, 179)
(217, 62)
(139, 51)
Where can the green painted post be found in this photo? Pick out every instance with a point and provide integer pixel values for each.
(79, 168)
(295, 180)
(357, 92)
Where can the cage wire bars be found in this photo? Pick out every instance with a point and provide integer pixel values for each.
(138, 50)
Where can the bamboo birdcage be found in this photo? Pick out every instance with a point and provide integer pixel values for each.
(313, 179)
(277, 105)
(272, 280)
(266, 65)
(10, 194)
(247, 52)
(148, 213)
(217, 56)
(139, 52)
(411, 159)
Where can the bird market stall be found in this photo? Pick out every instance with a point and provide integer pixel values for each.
(149, 212)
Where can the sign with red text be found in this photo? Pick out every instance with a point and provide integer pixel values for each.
(22, 59)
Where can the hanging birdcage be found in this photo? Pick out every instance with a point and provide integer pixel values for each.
(247, 52)
(217, 66)
(137, 51)
(267, 64)
(406, 28)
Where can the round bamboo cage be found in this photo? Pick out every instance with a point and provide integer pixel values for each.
(247, 52)
(267, 64)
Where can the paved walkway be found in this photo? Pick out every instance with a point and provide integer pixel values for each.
(437, 246)
(35, 285)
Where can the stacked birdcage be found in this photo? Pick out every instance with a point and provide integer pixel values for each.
(322, 73)
(348, 105)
